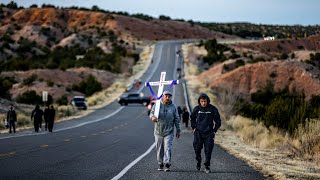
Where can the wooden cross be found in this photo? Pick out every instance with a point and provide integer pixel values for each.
(160, 83)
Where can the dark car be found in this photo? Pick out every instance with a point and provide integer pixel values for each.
(79, 102)
(134, 98)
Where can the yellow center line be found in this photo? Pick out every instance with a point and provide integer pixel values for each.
(8, 154)
(44, 146)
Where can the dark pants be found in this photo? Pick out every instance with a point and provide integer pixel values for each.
(50, 126)
(40, 124)
(206, 140)
(46, 123)
(186, 123)
(12, 125)
(36, 126)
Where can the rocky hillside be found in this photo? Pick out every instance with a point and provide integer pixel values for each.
(250, 66)
(50, 26)
(250, 78)
(311, 43)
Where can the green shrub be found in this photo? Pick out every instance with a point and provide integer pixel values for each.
(5, 85)
(282, 109)
(240, 62)
(63, 100)
(29, 80)
(50, 83)
(215, 51)
(29, 97)
(88, 86)
(284, 56)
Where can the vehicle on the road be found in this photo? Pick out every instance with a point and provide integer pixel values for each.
(150, 106)
(79, 102)
(134, 98)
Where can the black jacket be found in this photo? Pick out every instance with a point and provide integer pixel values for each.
(11, 116)
(205, 120)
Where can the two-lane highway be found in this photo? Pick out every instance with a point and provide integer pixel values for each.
(104, 143)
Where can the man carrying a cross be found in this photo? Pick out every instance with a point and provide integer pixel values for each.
(164, 129)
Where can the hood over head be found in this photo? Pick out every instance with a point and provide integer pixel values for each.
(203, 95)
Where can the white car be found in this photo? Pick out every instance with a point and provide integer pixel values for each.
(79, 102)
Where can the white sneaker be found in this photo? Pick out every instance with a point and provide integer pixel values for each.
(161, 167)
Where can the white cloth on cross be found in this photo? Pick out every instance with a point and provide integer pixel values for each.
(161, 84)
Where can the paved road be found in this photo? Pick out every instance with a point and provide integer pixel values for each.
(102, 144)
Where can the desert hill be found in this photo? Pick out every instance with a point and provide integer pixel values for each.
(250, 78)
(33, 24)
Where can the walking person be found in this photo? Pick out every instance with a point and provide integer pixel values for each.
(185, 116)
(46, 116)
(164, 130)
(11, 119)
(36, 116)
(180, 111)
(52, 114)
(205, 122)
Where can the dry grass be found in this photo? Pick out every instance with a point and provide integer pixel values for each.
(256, 133)
(2, 119)
(306, 141)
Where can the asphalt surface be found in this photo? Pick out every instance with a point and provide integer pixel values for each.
(103, 144)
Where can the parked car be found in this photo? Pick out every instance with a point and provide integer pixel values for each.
(134, 98)
(79, 102)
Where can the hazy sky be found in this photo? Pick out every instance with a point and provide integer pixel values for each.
(285, 12)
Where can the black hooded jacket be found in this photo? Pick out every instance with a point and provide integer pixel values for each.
(205, 119)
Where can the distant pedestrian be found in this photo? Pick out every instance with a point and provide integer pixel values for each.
(36, 116)
(52, 114)
(11, 119)
(185, 116)
(164, 130)
(46, 116)
(205, 122)
(180, 111)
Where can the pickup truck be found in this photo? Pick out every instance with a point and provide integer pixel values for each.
(134, 98)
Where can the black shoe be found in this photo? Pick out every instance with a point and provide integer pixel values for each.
(198, 166)
(207, 169)
(167, 168)
(161, 167)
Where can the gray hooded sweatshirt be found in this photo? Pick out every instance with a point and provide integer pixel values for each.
(168, 118)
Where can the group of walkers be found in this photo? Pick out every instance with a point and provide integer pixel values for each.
(184, 115)
(205, 122)
(37, 116)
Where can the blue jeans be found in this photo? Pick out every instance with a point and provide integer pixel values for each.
(163, 147)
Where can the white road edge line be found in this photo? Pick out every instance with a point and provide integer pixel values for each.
(126, 169)
(71, 127)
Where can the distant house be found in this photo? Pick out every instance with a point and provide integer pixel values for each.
(79, 57)
(269, 38)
